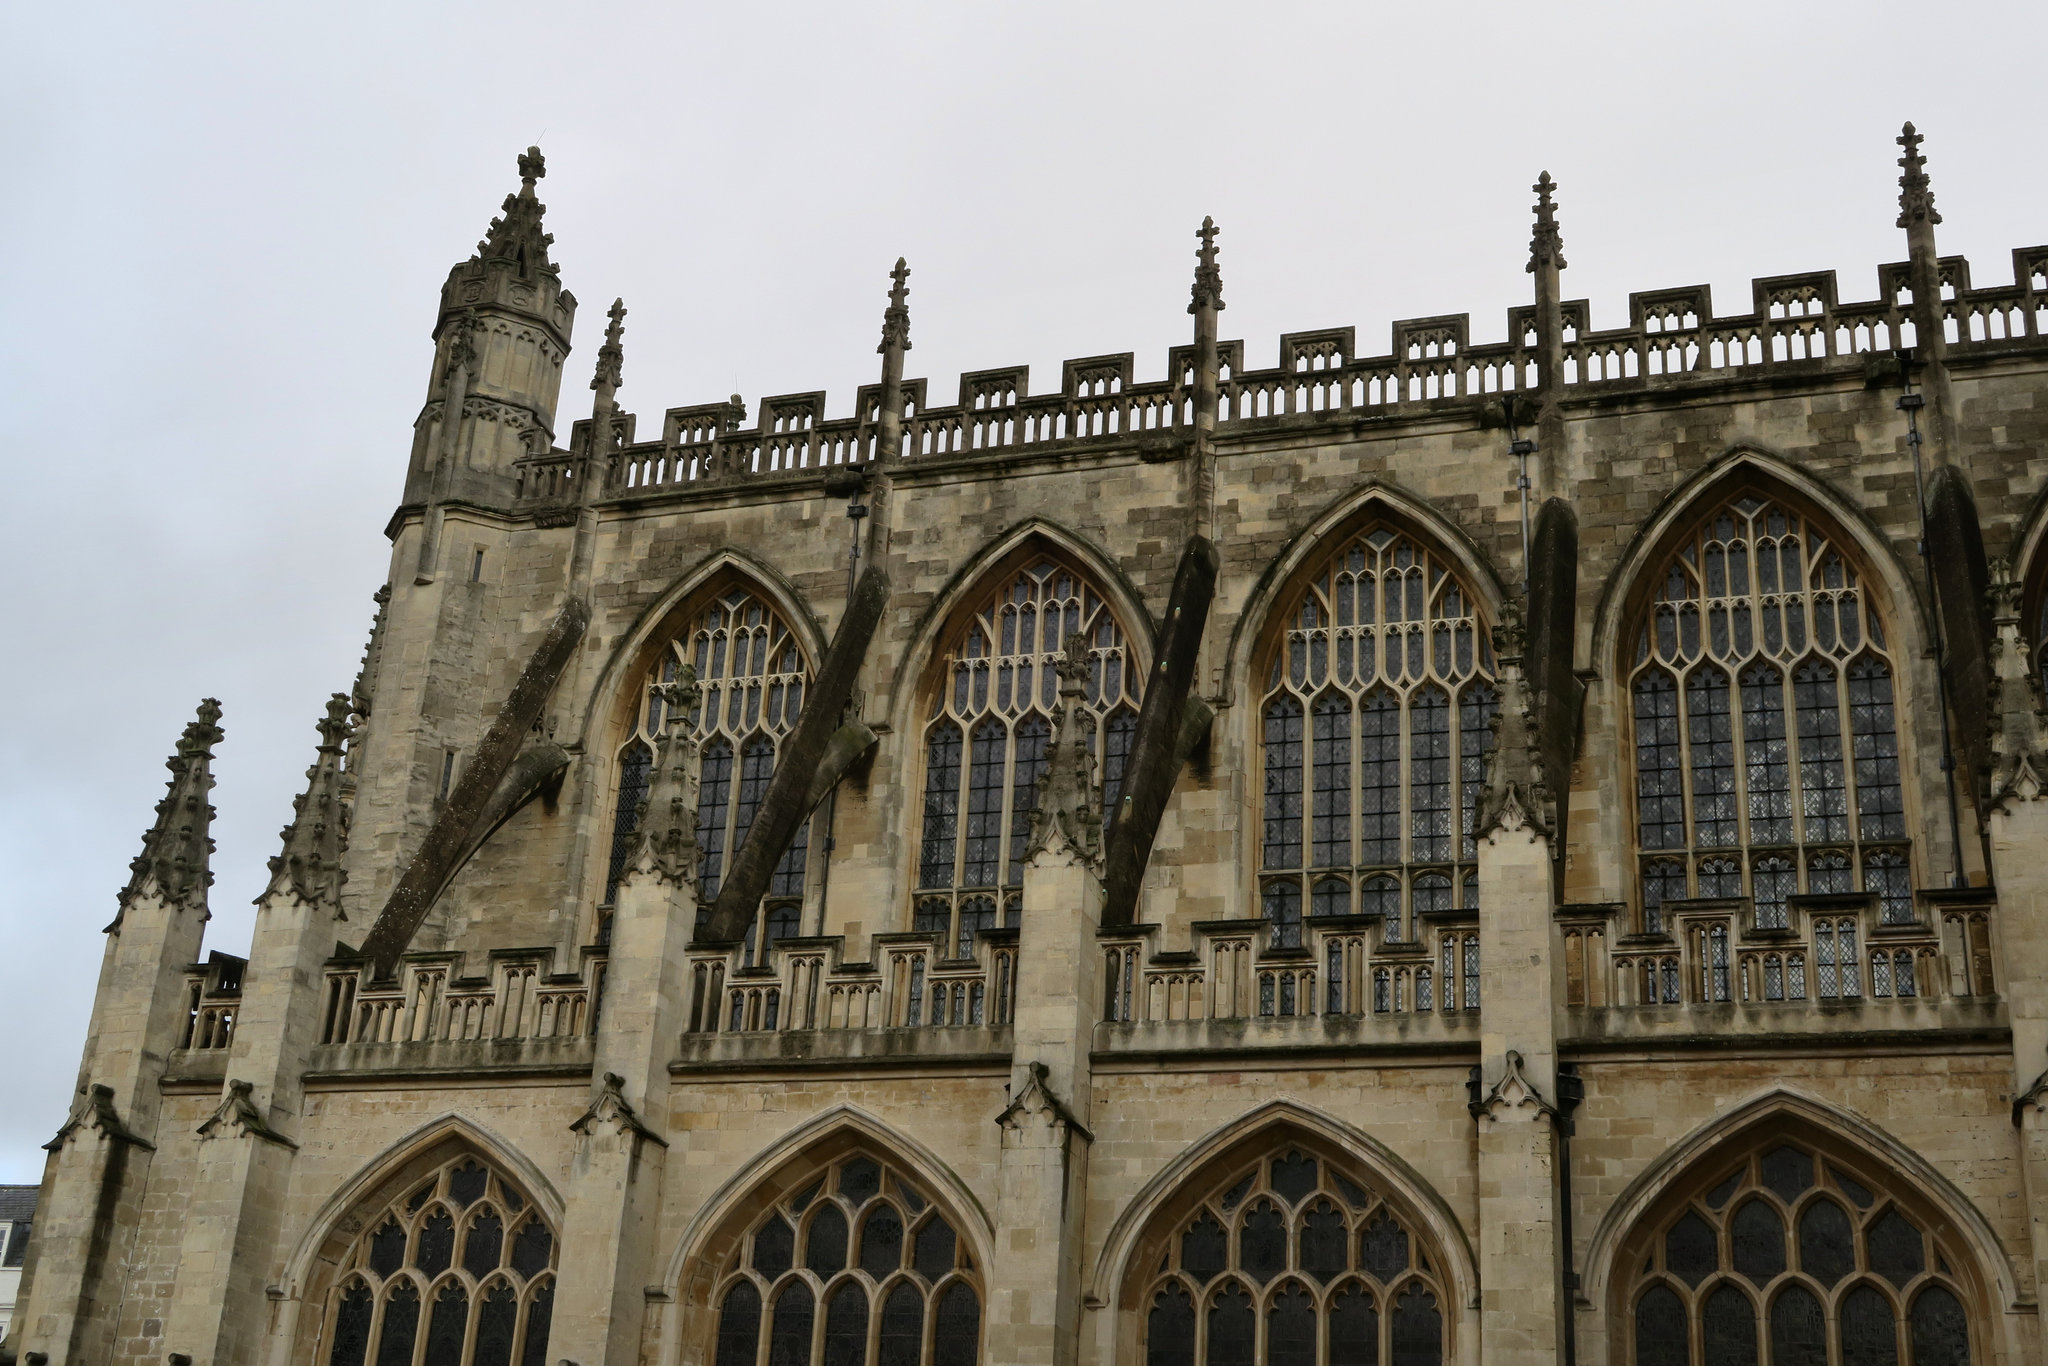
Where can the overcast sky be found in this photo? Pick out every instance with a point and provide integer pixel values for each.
(225, 227)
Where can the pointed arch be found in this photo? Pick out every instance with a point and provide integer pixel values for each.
(975, 691)
(1782, 1111)
(1365, 655)
(1007, 551)
(1267, 1127)
(1375, 497)
(716, 1232)
(668, 616)
(316, 1263)
(1739, 467)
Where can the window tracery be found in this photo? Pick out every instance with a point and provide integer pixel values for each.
(986, 737)
(1766, 739)
(857, 1268)
(1793, 1258)
(1374, 729)
(753, 674)
(1290, 1262)
(458, 1271)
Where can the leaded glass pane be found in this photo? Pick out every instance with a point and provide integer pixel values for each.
(1170, 1329)
(1941, 1333)
(1895, 1248)
(1728, 1329)
(447, 1326)
(1663, 1337)
(932, 1251)
(1758, 1241)
(825, 1245)
(1660, 786)
(1799, 1330)
(1691, 1250)
(1870, 1335)
(957, 1338)
(352, 1326)
(1324, 1243)
(1262, 1242)
(941, 806)
(846, 1326)
(789, 1340)
(540, 1313)
(1787, 1172)
(739, 1326)
(881, 1241)
(486, 1241)
(497, 1321)
(1291, 1328)
(401, 1325)
(1417, 1330)
(902, 1337)
(1232, 1328)
(435, 1251)
(1204, 1249)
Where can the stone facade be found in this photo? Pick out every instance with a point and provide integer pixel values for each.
(1141, 1019)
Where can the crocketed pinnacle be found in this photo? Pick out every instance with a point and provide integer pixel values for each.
(1516, 794)
(2019, 739)
(1546, 246)
(176, 851)
(611, 357)
(1916, 197)
(310, 862)
(516, 235)
(1066, 819)
(1208, 286)
(896, 317)
(667, 829)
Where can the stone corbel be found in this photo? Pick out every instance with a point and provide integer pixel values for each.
(237, 1109)
(611, 1107)
(2034, 1098)
(1037, 1101)
(1512, 1094)
(95, 1110)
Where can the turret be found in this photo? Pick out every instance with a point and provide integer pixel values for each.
(499, 341)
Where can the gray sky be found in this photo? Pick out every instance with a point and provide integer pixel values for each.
(225, 227)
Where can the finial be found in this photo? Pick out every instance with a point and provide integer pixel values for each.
(310, 862)
(896, 318)
(516, 235)
(1546, 246)
(667, 831)
(532, 166)
(1066, 819)
(176, 849)
(1208, 287)
(1916, 198)
(611, 357)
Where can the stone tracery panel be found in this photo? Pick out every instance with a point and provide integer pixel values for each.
(857, 1266)
(1762, 700)
(1789, 1254)
(753, 672)
(1378, 700)
(459, 1270)
(989, 722)
(1286, 1260)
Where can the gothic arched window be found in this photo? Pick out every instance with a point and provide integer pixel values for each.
(458, 1269)
(1374, 726)
(753, 674)
(1289, 1262)
(984, 745)
(856, 1267)
(1766, 740)
(1792, 1258)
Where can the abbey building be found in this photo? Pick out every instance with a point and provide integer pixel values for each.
(1494, 853)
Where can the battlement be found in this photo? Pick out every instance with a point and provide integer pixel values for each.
(1794, 320)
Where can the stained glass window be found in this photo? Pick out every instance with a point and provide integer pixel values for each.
(1764, 719)
(985, 742)
(1817, 1281)
(436, 1275)
(1295, 1245)
(1374, 728)
(908, 1296)
(754, 675)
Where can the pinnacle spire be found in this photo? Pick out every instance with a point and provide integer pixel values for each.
(667, 831)
(516, 235)
(1066, 818)
(1546, 246)
(177, 848)
(310, 862)
(896, 318)
(1208, 286)
(1916, 196)
(611, 357)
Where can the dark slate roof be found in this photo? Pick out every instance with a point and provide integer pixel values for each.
(17, 1203)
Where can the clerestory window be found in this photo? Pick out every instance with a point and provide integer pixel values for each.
(985, 743)
(1766, 740)
(1374, 728)
(753, 674)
